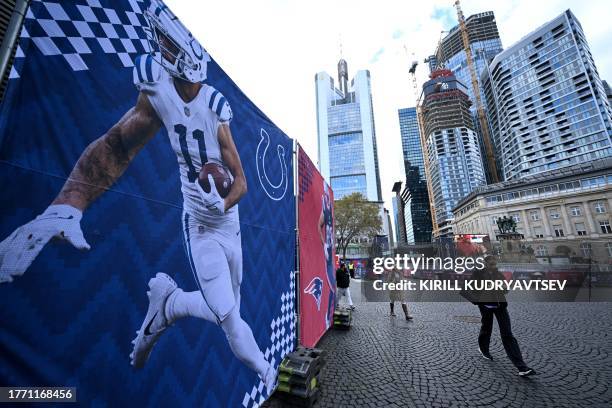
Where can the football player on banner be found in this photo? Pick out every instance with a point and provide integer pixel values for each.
(197, 118)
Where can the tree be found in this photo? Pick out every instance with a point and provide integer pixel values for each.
(355, 217)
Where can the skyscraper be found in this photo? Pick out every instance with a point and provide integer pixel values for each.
(398, 213)
(551, 109)
(396, 219)
(455, 162)
(348, 156)
(418, 225)
(485, 44)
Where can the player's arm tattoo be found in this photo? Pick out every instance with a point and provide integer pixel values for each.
(106, 158)
(230, 157)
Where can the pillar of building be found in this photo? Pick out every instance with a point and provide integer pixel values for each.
(589, 216)
(566, 221)
(526, 229)
(547, 230)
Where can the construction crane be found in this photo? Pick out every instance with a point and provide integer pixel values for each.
(412, 72)
(419, 110)
(486, 137)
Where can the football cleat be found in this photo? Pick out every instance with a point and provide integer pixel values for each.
(155, 322)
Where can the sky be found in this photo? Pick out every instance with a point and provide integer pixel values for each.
(272, 50)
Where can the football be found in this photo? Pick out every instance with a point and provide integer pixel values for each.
(221, 175)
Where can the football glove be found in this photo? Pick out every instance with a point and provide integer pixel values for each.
(212, 201)
(18, 250)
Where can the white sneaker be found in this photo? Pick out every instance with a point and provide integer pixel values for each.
(526, 372)
(270, 378)
(154, 324)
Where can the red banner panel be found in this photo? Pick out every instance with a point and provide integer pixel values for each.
(317, 252)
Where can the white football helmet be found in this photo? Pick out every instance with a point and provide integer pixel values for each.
(190, 58)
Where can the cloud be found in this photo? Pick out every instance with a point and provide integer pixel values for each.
(377, 55)
(397, 34)
(446, 16)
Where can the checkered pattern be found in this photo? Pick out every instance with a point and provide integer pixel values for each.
(283, 339)
(77, 31)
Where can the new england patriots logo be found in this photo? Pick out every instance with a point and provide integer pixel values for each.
(315, 288)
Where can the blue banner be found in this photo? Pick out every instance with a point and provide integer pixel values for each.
(114, 109)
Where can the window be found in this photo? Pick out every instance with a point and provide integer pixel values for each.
(537, 232)
(580, 229)
(558, 231)
(585, 247)
(600, 207)
(609, 248)
(576, 211)
(516, 217)
(605, 227)
(535, 215)
(554, 214)
(541, 251)
(494, 220)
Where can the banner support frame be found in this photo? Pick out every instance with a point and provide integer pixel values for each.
(296, 193)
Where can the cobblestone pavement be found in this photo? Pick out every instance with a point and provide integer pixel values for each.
(433, 361)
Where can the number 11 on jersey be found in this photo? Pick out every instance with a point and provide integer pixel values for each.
(198, 135)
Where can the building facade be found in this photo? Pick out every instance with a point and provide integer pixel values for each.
(418, 226)
(348, 157)
(396, 221)
(608, 92)
(570, 206)
(550, 108)
(453, 152)
(485, 44)
(398, 212)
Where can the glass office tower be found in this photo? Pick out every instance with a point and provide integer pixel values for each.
(418, 225)
(348, 157)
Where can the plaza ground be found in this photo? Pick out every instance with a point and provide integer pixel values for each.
(433, 361)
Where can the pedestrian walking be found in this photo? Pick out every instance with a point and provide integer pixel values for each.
(493, 304)
(351, 269)
(397, 295)
(343, 281)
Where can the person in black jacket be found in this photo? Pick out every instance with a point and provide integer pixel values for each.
(493, 303)
(343, 281)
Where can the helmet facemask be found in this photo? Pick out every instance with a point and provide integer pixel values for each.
(173, 47)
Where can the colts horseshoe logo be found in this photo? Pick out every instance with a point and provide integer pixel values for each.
(275, 191)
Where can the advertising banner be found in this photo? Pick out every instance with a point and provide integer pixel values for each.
(148, 217)
(317, 252)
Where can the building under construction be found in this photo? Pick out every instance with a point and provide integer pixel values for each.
(485, 44)
(481, 27)
(452, 148)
